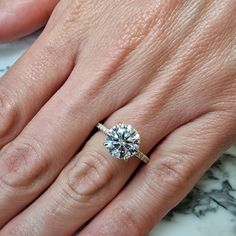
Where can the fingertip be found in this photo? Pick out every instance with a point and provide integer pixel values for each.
(19, 18)
(12, 27)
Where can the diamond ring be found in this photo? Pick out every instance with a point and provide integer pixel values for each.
(122, 141)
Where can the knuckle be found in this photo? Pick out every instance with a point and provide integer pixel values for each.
(73, 108)
(137, 26)
(75, 10)
(74, 17)
(90, 175)
(22, 164)
(170, 174)
(9, 112)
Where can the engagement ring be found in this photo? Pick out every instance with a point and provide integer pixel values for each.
(122, 141)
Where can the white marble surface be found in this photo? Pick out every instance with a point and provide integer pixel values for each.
(209, 210)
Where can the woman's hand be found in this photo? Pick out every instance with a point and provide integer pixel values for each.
(168, 68)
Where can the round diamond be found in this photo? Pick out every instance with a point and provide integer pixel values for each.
(122, 141)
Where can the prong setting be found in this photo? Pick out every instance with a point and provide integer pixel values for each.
(122, 141)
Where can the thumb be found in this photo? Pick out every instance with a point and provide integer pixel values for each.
(19, 18)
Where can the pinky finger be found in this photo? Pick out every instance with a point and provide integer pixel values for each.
(175, 166)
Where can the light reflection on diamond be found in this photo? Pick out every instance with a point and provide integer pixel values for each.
(122, 141)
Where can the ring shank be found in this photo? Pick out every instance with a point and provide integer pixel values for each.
(102, 128)
(141, 156)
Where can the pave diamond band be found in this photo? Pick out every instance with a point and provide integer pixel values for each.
(122, 141)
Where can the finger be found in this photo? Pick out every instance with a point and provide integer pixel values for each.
(90, 181)
(32, 81)
(174, 168)
(19, 18)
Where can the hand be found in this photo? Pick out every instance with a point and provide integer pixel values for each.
(168, 68)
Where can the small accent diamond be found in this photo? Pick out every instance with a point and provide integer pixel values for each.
(122, 141)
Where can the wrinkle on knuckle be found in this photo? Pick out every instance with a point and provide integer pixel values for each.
(9, 113)
(22, 164)
(73, 13)
(77, 105)
(137, 26)
(78, 17)
(90, 175)
(170, 174)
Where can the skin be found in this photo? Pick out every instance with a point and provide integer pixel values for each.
(19, 18)
(168, 68)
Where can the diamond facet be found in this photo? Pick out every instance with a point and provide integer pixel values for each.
(122, 141)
